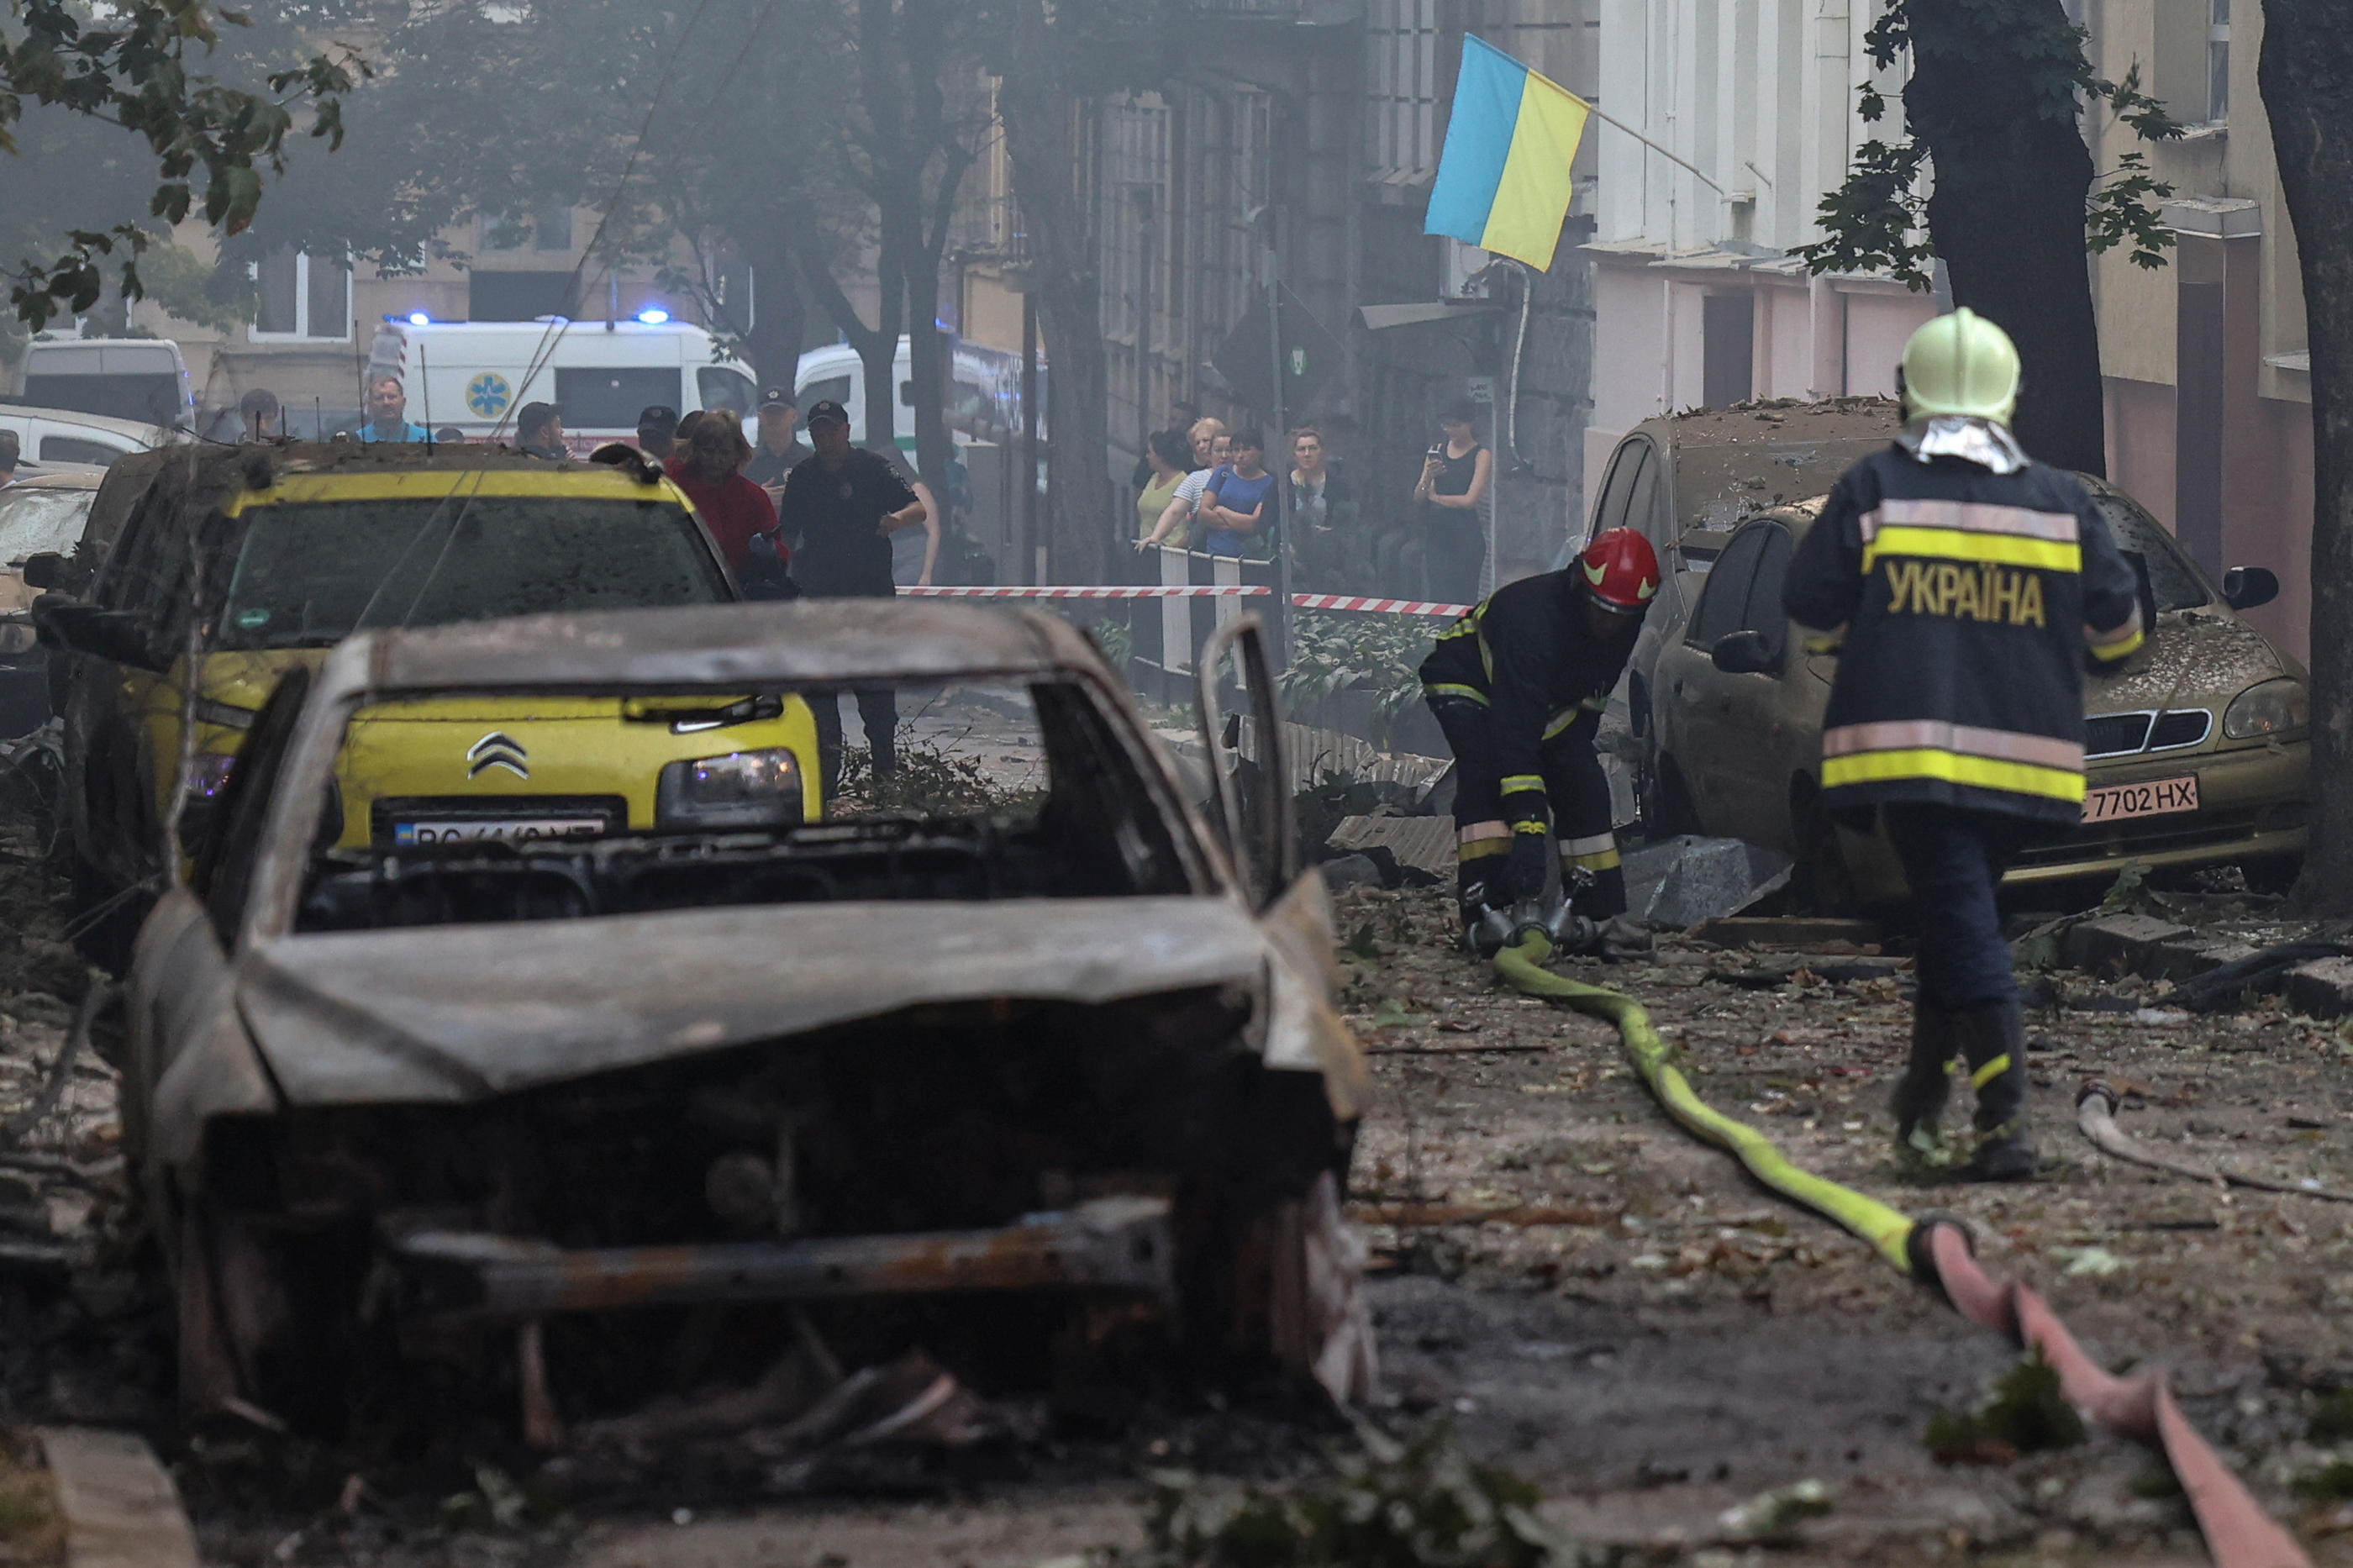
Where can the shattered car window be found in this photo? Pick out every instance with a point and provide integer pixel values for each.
(528, 806)
(2171, 578)
(34, 520)
(307, 574)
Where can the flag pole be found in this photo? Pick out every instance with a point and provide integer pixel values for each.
(1654, 147)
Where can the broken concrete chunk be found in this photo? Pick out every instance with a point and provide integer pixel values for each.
(2322, 988)
(1683, 880)
(1789, 931)
(2097, 945)
(1424, 843)
(1351, 871)
(2188, 957)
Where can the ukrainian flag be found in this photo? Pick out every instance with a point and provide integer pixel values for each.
(1503, 182)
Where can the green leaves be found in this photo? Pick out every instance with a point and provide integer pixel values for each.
(2124, 209)
(1422, 1502)
(1378, 655)
(1875, 221)
(134, 73)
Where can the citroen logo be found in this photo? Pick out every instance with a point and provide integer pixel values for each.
(498, 750)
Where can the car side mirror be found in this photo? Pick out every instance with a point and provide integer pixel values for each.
(1745, 652)
(45, 571)
(2244, 588)
(118, 637)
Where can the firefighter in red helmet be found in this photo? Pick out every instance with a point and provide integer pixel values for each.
(1518, 686)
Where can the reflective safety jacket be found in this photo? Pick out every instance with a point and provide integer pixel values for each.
(1526, 655)
(1965, 599)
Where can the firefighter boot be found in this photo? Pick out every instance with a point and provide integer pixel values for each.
(1993, 1037)
(1475, 890)
(1927, 1083)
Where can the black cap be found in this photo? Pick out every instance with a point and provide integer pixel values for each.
(776, 397)
(824, 410)
(532, 416)
(657, 414)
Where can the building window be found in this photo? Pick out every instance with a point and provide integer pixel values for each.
(2217, 61)
(1401, 59)
(302, 296)
(517, 296)
(550, 225)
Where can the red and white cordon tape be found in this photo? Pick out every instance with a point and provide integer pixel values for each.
(1199, 591)
(1379, 606)
(1155, 591)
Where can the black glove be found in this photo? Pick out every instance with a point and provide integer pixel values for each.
(1523, 869)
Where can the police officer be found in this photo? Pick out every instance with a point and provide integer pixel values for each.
(1518, 686)
(840, 507)
(1962, 582)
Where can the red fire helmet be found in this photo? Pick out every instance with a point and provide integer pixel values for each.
(1623, 570)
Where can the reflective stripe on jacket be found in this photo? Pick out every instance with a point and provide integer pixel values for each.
(1966, 599)
(1527, 652)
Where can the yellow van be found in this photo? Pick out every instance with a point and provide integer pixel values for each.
(247, 563)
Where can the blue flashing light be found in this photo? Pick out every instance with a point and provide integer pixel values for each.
(653, 315)
(419, 318)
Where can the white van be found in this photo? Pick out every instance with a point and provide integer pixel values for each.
(142, 380)
(51, 436)
(984, 391)
(476, 375)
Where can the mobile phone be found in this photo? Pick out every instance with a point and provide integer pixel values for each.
(1439, 450)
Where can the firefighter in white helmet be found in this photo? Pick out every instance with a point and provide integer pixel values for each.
(1963, 583)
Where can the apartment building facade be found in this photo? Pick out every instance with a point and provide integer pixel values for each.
(1313, 128)
(2205, 361)
(1748, 110)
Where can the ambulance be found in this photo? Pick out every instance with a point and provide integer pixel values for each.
(475, 376)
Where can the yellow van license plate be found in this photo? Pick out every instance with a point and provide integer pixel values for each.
(2156, 797)
(496, 829)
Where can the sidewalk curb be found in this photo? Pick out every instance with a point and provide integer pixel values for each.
(120, 1505)
(2160, 950)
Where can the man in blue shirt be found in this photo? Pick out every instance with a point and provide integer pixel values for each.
(1236, 503)
(387, 406)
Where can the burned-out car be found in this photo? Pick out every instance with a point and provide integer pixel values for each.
(1013, 1053)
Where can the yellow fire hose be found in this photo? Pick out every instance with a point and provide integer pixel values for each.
(1935, 1251)
(1888, 1231)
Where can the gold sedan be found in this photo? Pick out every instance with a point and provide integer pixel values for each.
(2197, 751)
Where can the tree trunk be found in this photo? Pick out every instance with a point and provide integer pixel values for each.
(1036, 101)
(2306, 74)
(875, 345)
(2006, 216)
(780, 314)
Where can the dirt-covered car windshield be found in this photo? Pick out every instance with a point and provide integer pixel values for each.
(309, 574)
(565, 805)
(2171, 578)
(33, 520)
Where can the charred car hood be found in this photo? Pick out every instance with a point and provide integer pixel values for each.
(468, 1013)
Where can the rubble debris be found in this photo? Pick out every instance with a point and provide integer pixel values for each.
(1791, 932)
(1424, 844)
(1771, 1518)
(32, 1532)
(2026, 1413)
(61, 1071)
(119, 1505)
(1686, 879)
(1403, 1503)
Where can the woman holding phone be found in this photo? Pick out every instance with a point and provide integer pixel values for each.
(1454, 535)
